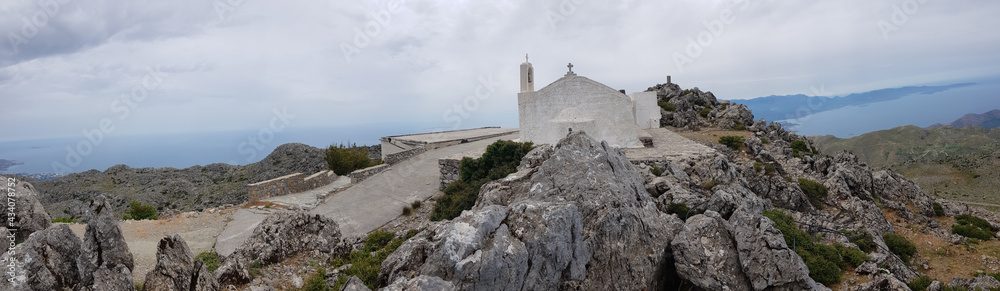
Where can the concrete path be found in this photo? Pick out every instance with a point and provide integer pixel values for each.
(239, 229)
(309, 199)
(667, 144)
(374, 202)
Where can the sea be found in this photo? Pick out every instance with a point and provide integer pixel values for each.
(916, 109)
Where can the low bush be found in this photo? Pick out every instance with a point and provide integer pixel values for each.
(705, 111)
(764, 140)
(343, 159)
(416, 204)
(64, 220)
(407, 211)
(820, 269)
(861, 238)
(900, 246)
(972, 220)
(757, 167)
(711, 184)
(971, 231)
(365, 263)
(920, 284)
(739, 126)
(938, 210)
(500, 159)
(824, 262)
(656, 171)
(667, 106)
(137, 211)
(317, 282)
(814, 190)
(769, 169)
(732, 141)
(850, 256)
(210, 259)
(799, 147)
(680, 209)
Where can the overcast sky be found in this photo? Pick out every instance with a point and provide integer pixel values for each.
(199, 66)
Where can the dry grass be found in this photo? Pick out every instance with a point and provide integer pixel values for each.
(944, 259)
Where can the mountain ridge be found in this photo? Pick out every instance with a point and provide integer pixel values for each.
(989, 119)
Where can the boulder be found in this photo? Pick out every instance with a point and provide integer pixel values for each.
(582, 219)
(705, 254)
(45, 261)
(884, 282)
(29, 214)
(176, 269)
(765, 258)
(420, 283)
(117, 279)
(281, 236)
(355, 284)
(103, 244)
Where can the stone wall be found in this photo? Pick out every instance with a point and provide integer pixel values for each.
(395, 158)
(362, 174)
(449, 170)
(288, 184)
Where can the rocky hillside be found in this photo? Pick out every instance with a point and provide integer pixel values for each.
(193, 188)
(987, 120)
(954, 163)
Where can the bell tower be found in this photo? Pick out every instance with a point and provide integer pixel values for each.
(527, 76)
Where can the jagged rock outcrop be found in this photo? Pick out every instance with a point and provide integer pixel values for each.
(117, 279)
(420, 283)
(580, 220)
(884, 282)
(176, 269)
(103, 246)
(281, 236)
(706, 255)
(46, 261)
(29, 214)
(355, 284)
(977, 283)
(694, 109)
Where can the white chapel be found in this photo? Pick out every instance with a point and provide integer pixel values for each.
(576, 103)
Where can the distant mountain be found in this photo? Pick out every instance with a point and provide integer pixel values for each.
(990, 119)
(192, 188)
(954, 163)
(4, 164)
(777, 108)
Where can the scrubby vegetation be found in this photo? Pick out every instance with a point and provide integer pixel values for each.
(656, 171)
(210, 259)
(861, 238)
(137, 211)
(824, 262)
(705, 111)
(680, 209)
(317, 282)
(938, 210)
(64, 220)
(343, 159)
(920, 284)
(732, 141)
(814, 190)
(666, 106)
(900, 246)
(972, 227)
(500, 159)
(365, 263)
(799, 147)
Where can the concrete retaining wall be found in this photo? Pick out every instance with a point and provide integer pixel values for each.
(395, 158)
(288, 184)
(449, 171)
(362, 174)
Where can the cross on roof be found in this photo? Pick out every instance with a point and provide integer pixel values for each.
(570, 66)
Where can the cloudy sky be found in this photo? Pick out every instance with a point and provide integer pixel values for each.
(200, 66)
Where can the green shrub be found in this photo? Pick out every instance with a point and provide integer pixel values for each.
(794, 236)
(861, 238)
(656, 171)
(255, 268)
(850, 256)
(500, 159)
(820, 269)
(920, 284)
(799, 146)
(711, 184)
(680, 209)
(137, 211)
(757, 167)
(317, 282)
(416, 204)
(667, 106)
(900, 246)
(972, 220)
(814, 190)
(764, 140)
(823, 261)
(938, 210)
(971, 231)
(343, 159)
(210, 259)
(365, 263)
(407, 211)
(705, 111)
(769, 169)
(64, 220)
(732, 141)
(739, 126)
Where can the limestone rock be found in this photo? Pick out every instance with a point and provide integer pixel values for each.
(176, 269)
(581, 219)
(46, 260)
(420, 283)
(117, 279)
(104, 245)
(884, 282)
(981, 282)
(355, 284)
(29, 214)
(765, 258)
(281, 236)
(705, 254)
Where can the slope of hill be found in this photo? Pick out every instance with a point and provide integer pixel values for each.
(777, 108)
(989, 119)
(192, 188)
(948, 162)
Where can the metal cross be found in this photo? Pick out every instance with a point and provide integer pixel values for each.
(570, 66)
